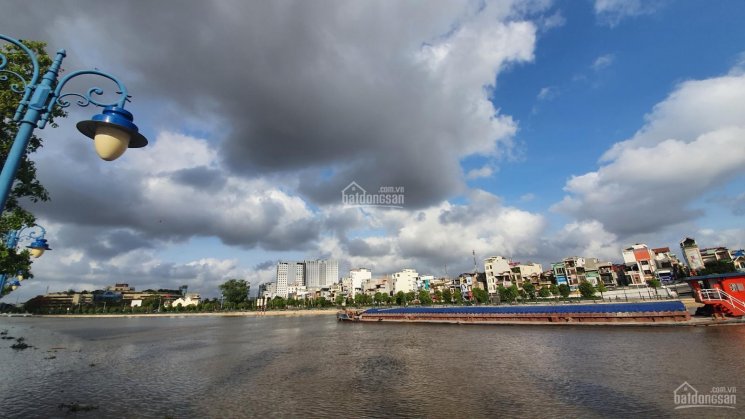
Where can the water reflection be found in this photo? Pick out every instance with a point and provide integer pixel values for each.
(314, 366)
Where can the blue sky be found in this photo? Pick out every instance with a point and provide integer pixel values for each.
(590, 109)
(532, 130)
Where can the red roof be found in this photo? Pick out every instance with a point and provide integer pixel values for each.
(661, 250)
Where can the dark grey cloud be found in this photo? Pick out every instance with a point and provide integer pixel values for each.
(100, 244)
(200, 178)
(299, 86)
(296, 100)
(358, 247)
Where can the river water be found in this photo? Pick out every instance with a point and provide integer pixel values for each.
(314, 366)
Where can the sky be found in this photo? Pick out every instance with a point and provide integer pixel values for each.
(534, 130)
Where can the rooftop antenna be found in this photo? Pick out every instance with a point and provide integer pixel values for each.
(475, 269)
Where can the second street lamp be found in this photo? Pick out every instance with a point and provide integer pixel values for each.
(113, 131)
(36, 248)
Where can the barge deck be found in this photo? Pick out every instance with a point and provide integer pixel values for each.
(635, 314)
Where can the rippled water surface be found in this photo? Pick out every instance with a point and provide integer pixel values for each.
(313, 366)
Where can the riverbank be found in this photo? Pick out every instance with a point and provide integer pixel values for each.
(689, 303)
(277, 313)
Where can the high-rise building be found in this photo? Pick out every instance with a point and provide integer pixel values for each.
(283, 269)
(299, 274)
(329, 272)
(321, 273)
(312, 274)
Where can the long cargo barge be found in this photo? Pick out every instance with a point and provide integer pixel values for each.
(663, 312)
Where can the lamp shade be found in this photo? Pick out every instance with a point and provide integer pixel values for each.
(38, 247)
(113, 132)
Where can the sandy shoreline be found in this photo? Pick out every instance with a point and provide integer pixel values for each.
(274, 313)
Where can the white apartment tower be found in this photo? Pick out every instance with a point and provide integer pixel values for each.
(299, 274)
(357, 278)
(283, 269)
(405, 281)
(321, 273)
(329, 272)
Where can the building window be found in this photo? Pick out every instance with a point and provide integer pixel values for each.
(737, 287)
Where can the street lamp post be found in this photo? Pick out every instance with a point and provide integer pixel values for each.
(36, 248)
(113, 130)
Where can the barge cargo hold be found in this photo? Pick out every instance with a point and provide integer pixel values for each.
(617, 313)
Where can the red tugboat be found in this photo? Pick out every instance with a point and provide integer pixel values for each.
(722, 294)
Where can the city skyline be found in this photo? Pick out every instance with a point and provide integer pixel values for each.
(531, 130)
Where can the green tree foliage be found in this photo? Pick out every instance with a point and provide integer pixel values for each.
(586, 289)
(654, 283)
(718, 267)
(438, 296)
(513, 292)
(378, 297)
(458, 297)
(235, 291)
(564, 290)
(447, 296)
(400, 298)
(424, 298)
(502, 291)
(544, 292)
(529, 289)
(601, 288)
(26, 185)
(386, 298)
(554, 289)
(481, 295)
(410, 296)
(278, 302)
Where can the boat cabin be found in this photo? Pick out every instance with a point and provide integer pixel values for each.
(725, 293)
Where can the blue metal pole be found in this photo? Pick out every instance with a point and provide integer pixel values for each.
(33, 114)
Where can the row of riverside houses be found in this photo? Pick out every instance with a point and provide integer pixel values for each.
(640, 265)
(292, 281)
(315, 279)
(119, 295)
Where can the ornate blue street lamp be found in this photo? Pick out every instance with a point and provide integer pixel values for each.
(37, 248)
(113, 131)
